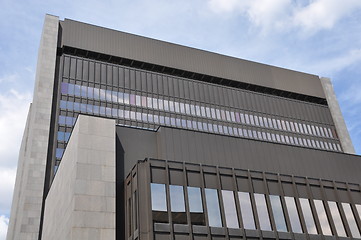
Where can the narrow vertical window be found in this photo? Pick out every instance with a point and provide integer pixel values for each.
(196, 206)
(214, 214)
(293, 214)
(340, 229)
(177, 205)
(230, 209)
(278, 213)
(308, 216)
(322, 217)
(159, 200)
(246, 210)
(262, 210)
(351, 220)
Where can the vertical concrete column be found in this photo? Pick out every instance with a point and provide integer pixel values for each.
(28, 192)
(337, 117)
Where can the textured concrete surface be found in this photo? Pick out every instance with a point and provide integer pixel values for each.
(28, 192)
(81, 200)
(338, 119)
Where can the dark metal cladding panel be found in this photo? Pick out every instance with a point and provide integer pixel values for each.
(88, 37)
(211, 149)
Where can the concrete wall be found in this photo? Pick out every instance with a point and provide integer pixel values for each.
(28, 192)
(81, 200)
(337, 117)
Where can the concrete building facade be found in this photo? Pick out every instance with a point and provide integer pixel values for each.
(134, 138)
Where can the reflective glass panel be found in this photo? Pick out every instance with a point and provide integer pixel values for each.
(278, 213)
(262, 211)
(340, 229)
(230, 209)
(308, 216)
(351, 220)
(322, 217)
(214, 214)
(176, 198)
(195, 199)
(293, 214)
(159, 200)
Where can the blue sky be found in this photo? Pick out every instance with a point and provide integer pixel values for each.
(321, 37)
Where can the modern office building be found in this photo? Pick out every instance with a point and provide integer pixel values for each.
(135, 138)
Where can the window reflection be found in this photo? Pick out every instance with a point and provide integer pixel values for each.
(262, 211)
(176, 198)
(159, 200)
(177, 205)
(230, 209)
(278, 213)
(322, 217)
(293, 214)
(197, 110)
(351, 220)
(214, 214)
(196, 206)
(308, 216)
(340, 229)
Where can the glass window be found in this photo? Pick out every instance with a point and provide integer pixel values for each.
(214, 214)
(242, 118)
(59, 153)
(351, 220)
(64, 88)
(155, 103)
(132, 99)
(230, 209)
(67, 136)
(160, 104)
(293, 214)
(322, 217)
(62, 120)
(61, 136)
(278, 213)
(203, 111)
(262, 210)
(138, 100)
(176, 198)
(308, 216)
(102, 94)
(166, 105)
(196, 206)
(195, 199)
(62, 104)
(71, 89)
(171, 106)
(159, 200)
(187, 108)
(340, 229)
(96, 93)
(176, 107)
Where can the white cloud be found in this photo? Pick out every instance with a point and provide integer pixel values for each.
(14, 108)
(4, 222)
(332, 65)
(288, 14)
(7, 176)
(323, 14)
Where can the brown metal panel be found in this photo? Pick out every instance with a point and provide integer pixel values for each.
(102, 40)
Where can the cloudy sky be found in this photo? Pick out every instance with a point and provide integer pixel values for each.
(321, 37)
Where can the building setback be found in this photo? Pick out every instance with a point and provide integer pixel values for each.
(134, 138)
